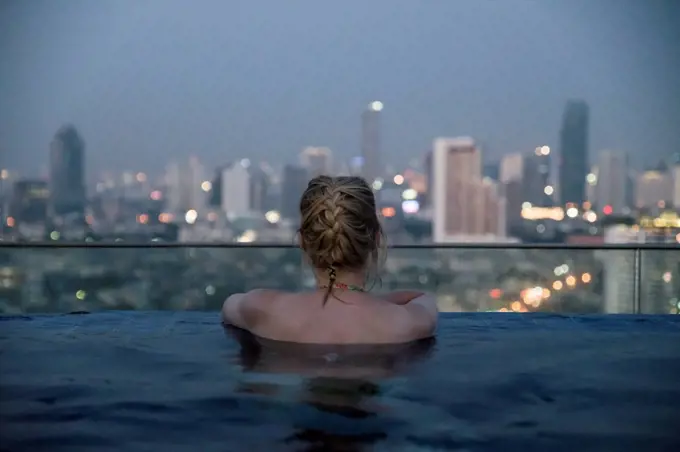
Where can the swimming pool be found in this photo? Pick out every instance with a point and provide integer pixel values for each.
(180, 381)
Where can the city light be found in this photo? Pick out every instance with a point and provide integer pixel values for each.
(532, 296)
(409, 194)
(4, 174)
(81, 294)
(248, 236)
(667, 277)
(141, 177)
(272, 216)
(165, 217)
(591, 178)
(191, 216)
(607, 210)
(542, 213)
(571, 281)
(590, 216)
(388, 212)
(142, 218)
(377, 184)
(561, 270)
(54, 235)
(572, 212)
(411, 206)
(376, 105)
(586, 278)
(557, 285)
(545, 150)
(156, 195)
(206, 186)
(398, 179)
(10, 222)
(548, 190)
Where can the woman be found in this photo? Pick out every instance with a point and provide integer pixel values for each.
(341, 236)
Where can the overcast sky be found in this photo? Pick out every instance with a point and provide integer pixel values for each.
(148, 81)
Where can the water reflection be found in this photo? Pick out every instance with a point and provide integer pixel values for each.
(341, 388)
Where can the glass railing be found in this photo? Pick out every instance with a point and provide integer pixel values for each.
(49, 278)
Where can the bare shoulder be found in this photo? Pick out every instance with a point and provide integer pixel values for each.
(422, 316)
(263, 294)
(246, 310)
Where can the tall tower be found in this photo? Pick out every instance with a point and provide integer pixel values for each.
(465, 206)
(536, 178)
(612, 181)
(370, 141)
(317, 161)
(67, 173)
(573, 152)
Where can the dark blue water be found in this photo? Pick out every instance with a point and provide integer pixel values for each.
(490, 382)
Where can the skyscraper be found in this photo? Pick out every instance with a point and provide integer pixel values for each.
(259, 189)
(317, 160)
(612, 181)
(676, 180)
(511, 176)
(536, 178)
(294, 184)
(236, 189)
(67, 173)
(465, 207)
(573, 165)
(183, 181)
(29, 201)
(370, 141)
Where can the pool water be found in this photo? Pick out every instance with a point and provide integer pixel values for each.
(131, 381)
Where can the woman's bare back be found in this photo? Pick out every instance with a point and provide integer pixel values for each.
(345, 318)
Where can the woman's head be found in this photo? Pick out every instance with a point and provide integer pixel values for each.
(339, 230)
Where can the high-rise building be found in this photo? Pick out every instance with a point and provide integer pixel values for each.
(654, 189)
(429, 177)
(675, 169)
(317, 161)
(185, 186)
(511, 168)
(259, 188)
(466, 208)
(573, 163)
(236, 193)
(29, 201)
(67, 173)
(370, 141)
(536, 185)
(511, 176)
(295, 181)
(612, 182)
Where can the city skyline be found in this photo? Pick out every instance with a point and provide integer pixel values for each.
(507, 102)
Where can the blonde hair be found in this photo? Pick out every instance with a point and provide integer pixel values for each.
(339, 229)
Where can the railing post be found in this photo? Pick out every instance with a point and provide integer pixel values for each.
(637, 281)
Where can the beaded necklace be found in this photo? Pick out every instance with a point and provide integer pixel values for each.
(343, 286)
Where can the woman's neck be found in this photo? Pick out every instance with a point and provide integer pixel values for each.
(357, 279)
